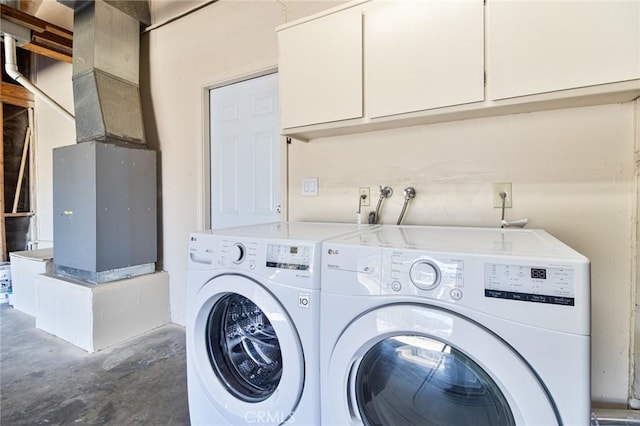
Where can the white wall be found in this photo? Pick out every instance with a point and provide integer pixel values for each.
(163, 10)
(572, 173)
(52, 131)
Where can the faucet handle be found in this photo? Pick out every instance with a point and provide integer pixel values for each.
(409, 193)
(385, 192)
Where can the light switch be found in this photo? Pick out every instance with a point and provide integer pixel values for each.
(310, 187)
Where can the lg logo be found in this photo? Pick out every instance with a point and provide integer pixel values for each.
(332, 251)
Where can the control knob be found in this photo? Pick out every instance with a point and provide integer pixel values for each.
(238, 253)
(425, 275)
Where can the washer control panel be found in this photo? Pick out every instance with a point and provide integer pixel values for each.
(237, 253)
(201, 250)
(267, 257)
(289, 256)
(416, 273)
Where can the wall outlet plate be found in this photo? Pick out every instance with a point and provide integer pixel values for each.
(309, 186)
(497, 200)
(365, 197)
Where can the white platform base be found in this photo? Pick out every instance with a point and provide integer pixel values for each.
(93, 317)
(25, 267)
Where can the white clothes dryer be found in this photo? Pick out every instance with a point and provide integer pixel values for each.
(454, 326)
(253, 324)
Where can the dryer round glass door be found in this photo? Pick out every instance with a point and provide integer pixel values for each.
(247, 354)
(418, 364)
(428, 380)
(244, 348)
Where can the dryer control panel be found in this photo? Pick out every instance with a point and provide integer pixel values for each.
(553, 285)
(429, 275)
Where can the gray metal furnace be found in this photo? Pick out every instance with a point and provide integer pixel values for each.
(104, 207)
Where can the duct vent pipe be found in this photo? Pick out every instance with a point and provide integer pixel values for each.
(12, 70)
(106, 57)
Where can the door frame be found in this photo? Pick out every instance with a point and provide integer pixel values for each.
(204, 162)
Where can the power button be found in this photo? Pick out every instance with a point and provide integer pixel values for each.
(456, 294)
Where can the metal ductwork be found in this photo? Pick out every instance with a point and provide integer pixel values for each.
(106, 56)
(104, 193)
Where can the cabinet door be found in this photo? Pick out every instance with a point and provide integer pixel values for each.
(423, 54)
(320, 66)
(542, 46)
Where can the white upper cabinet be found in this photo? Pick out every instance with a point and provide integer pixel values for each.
(320, 66)
(422, 54)
(537, 46)
(377, 64)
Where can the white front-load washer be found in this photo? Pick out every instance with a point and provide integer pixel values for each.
(252, 329)
(454, 326)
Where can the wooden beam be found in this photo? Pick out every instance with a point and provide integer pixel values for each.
(23, 163)
(16, 95)
(22, 18)
(53, 40)
(60, 32)
(49, 51)
(20, 214)
(46, 39)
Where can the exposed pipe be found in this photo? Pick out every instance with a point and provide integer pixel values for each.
(12, 69)
(386, 192)
(409, 194)
(520, 223)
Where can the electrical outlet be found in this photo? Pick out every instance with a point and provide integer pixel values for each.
(497, 200)
(365, 196)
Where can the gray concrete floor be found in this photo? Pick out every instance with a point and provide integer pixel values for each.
(46, 380)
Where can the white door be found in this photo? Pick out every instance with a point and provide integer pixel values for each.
(411, 364)
(245, 153)
(248, 354)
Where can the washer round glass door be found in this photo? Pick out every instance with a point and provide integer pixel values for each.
(248, 355)
(416, 364)
(244, 348)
